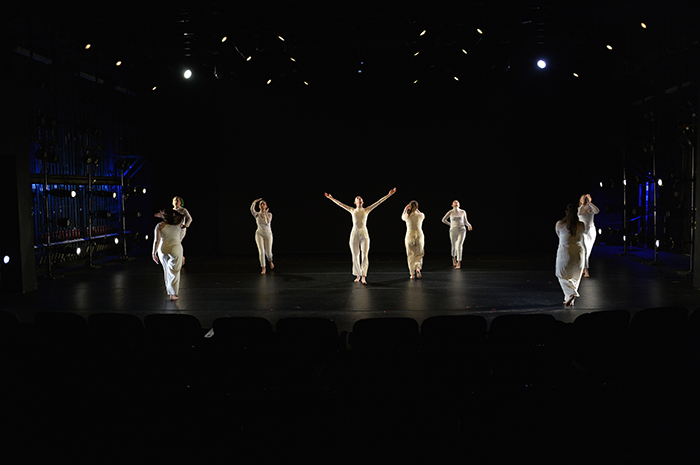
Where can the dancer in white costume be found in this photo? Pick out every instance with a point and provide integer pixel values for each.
(167, 249)
(586, 212)
(263, 235)
(359, 236)
(415, 240)
(570, 254)
(179, 206)
(457, 220)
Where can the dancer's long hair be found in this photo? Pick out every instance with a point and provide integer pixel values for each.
(414, 207)
(571, 218)
(170, 216)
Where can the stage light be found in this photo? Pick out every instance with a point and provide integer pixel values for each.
(145, 237)
(600, 231)
(624, 182)
(306, 83)
(281, 38)
(416, 81)
(576, 75)
(269, 81)
(62, 193)
(660, 183)
(249, 58)
(609, 47)
(154, 88)
(456, 78)
(416, 54)
(78, 251)
(87, 46)
(292, 58)
(64, 222)
(479, 31)
(105, 194)
(6, 259)
(223, 39)
(423, 33)
(464, 51)
(118, 63)
(541, 64)
(657, 243)
(187, 74)
(143, 191)
(116, 240)
(644, 26)
(601, 183)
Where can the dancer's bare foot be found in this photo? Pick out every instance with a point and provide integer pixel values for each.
(263, 270)
(585, 273)
(272, 266)
(570, 302)
(454, 262)
(412, 277)
(174, 297)
(357, 280)
(362, 280)
(458, 265)
(418, 273)
(183, 261)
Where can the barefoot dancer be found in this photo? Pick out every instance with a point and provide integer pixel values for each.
(359, 236)
(586, 212)
(457, 220)
(415, 241)
(167, 249)
(571, 254)
(263, 235)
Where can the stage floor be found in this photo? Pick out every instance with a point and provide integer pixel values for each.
(323, 286)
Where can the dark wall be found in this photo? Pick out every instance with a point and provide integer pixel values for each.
(513, 155)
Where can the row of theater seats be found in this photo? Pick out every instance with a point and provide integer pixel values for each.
(612, 387)
(523, 348)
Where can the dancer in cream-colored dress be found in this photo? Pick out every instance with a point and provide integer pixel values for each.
(167, 249)
(263, 235)
(415, 240)
(457, 220)
(570, 254)
(586, 212)
(359, 236)
(179, 206)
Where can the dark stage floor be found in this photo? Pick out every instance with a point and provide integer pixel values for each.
(323, 286)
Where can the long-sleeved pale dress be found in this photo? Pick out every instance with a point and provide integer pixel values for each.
(167, 243)
(415, 240)
(586, 214)
(570, 259)
(263, 235)
(457, 220)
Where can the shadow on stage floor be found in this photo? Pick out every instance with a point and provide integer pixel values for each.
(323, 286)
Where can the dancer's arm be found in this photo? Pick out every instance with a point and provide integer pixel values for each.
(446, 218)
(339, 203)
(405, 215)
(156, 241)
(188, 217)
(376, 204)
(595, 210)
(466, 222)
(252, 207)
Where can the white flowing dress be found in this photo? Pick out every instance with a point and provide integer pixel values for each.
(570, 258)
(263, 235)
(586, 214)
(169, 249)
(415, 240)
(457, 220)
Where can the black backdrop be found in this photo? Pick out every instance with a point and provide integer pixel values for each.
(514, 152)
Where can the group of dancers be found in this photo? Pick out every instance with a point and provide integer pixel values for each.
(577, 234)
(169, 233)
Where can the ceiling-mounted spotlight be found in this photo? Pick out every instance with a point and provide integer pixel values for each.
(87, 46)
(609, 47)
(423, 33)
(187, 74)
(118, 63)
(223, 39)
(541, 64)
